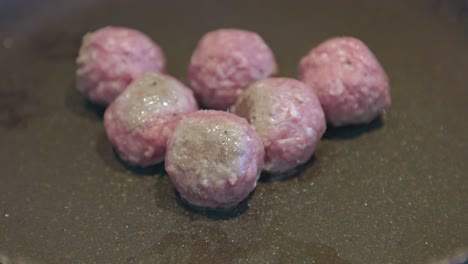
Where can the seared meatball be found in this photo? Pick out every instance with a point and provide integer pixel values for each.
(140, 121)
(214, 159)
(288, 117)
(111, 58)
(225, 63)
(351, 85)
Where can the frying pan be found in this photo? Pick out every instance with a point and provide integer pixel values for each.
(393, 191)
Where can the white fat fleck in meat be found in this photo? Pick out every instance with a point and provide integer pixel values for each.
(324, 56)
(341, 53)
(111, 42)
(243, 62)
(294, 112)
(337, 89)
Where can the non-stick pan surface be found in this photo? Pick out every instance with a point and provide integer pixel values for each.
(393, 191)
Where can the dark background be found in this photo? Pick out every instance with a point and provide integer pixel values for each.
(394, 191)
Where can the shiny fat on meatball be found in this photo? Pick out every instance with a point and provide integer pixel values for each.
(225, 63)
(214, 159)
(111, 58)
(140, 121)
(352, 86)
(288, 117)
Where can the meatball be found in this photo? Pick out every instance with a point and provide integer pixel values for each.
(288, 117)
(351, 85)
(214, 159)
(111, 58)
(225, 63)
(140, 121)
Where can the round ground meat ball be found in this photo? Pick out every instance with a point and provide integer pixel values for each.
(288, 117)
(351, 85)
(214, 159)
(140, 121)
(225, 63)
(111, 58)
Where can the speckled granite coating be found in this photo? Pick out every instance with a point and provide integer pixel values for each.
(393, 191)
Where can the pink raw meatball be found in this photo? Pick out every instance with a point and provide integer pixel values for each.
(288, 117)
(214, 159)
(351, 85)
(140, 121)
(111, 58)
(225, 63)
